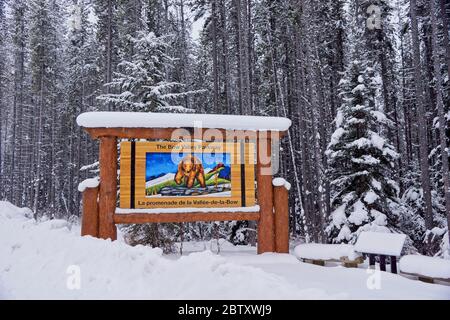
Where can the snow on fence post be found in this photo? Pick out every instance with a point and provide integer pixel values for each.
(266, 231)
(281, 208)
(108, 187)
(89, 222)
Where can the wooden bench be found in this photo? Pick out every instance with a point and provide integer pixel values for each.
(383, 245)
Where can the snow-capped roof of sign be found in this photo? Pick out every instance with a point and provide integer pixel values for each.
(389, 244)
(181, 120)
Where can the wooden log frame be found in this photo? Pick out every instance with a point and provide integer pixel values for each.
(108, 188)
(281, 195)
(124, 218)
(107, 191)
(169, 133)
(89, 223)
(266, 229)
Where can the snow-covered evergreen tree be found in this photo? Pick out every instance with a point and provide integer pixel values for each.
(141, 83)
(361, 161)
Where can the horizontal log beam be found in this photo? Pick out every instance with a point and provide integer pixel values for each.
(168, 133)
(184, 217)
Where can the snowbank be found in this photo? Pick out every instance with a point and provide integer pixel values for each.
(40, 259)
(171, 120)
(318, 251)
(9, 211)
(389, 244)
(426, 266)
(50, 260)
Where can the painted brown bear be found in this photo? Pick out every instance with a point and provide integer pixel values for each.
(190, 169)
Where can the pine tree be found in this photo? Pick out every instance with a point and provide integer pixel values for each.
(361, 162)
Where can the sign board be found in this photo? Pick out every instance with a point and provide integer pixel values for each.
(186, 174)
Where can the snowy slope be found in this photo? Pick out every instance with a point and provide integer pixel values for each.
(38, 260)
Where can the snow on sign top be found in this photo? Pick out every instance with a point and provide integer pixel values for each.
(181, 120)
(389, 244)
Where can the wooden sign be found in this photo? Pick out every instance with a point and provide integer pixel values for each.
(186, 174)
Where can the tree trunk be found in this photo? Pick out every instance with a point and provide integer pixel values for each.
(214, 53)
(421, 118)
(440, 107)
(446, 39)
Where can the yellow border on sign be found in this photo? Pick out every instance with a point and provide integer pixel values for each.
(143, 202)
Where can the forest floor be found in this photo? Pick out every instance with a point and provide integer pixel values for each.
(49, 260)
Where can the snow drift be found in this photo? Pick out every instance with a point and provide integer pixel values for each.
(48, 260)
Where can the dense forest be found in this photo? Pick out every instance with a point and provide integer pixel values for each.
(365, 83)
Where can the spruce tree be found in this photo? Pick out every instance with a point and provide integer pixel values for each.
(141, 83)
(361, 161)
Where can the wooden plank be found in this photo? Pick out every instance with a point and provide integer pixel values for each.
(108, 188)
(423, 278)
(266, 239)
(174, 133)
(281, 208)
(89, 222)
(350, 264)
(315, 262)
(184, 217)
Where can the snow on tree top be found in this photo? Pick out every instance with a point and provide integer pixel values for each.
(389, 244)
(181, 120)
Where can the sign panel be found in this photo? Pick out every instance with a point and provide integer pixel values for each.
(186, 174)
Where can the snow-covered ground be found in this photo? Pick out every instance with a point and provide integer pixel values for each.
(50, 260)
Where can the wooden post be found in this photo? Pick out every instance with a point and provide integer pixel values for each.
(371, 260)
(108, 187)
(89, 222)
(281, 219)
(266, 241)
(382, 262)
(393, 264)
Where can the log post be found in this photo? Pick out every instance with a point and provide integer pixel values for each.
(393, 264)
(266, 241)
(371, 260)
(281, 203)
(108, 187)
(89, 220)
(382, 262)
